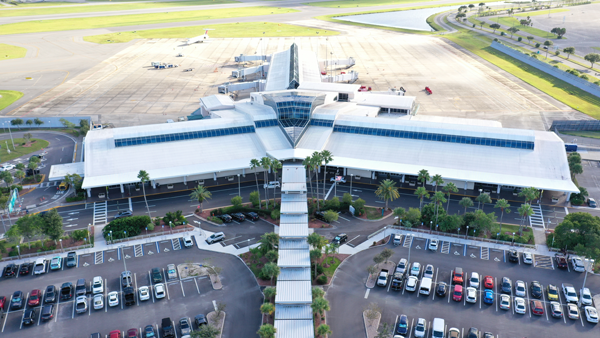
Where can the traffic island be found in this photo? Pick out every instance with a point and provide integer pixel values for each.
(372, 279)
(371, 320)
(192, 270)
(216, 321)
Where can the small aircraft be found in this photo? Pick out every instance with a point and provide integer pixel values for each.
(200, 38)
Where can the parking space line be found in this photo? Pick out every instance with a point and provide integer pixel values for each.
(121, 294)
(105, 295)
(167, 288)
(544, 302)
(435, 282)
(526, 298)
(412, 322)
(136, 289)
(465, 250)
(57, 306)
(369, 290)
(197, 289)
(73, 312)
(22, 316)
(396, 323)
(90, 304)
(450, 288)
(496, 293)
(181, 284)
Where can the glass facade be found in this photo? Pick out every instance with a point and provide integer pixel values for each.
(436, 137)
(265, 123)
(294, 67)
(321, 123)
(133, 141)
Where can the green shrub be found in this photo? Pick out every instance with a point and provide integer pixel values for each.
(520, 39)
(150, 226)
(236, 200)
(13, 253)
(585, 77)
(215, 219)
(359, 204)
(346, 201)
(254, 198)
(322, 279)
(502, 34)
(275, 214)
(537, 45)
(133, 226)
(79, 235)
(174, 218)
(333, 204)
(330, 216)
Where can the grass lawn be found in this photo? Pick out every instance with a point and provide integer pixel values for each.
(332, 267)
(560, 90)
(541, 12)
(431, 21)
(8, 97)
(20, 150)
(596, 48)
(136, 19)
(587, 133)
(109, 7)
(11, 52)
(230, 30)
(373, 213)
(509, 22)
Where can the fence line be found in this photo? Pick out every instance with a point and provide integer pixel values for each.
(116, 241)
(43, 253)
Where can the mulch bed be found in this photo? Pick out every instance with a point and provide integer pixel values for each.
(247, 258)
(341, 257)
(382, 241)
(269, 319)
(318, 320)
(364, 216)
(316, 224)
(159, 229)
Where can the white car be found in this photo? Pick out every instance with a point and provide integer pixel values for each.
(586, 296)
(401, 268)
(505, 302)
(429, 271)
(416, 269)
(159, 290)
(573, 311)
(113, 298)
(411, 283)
(520, 305)
(591, 315)
(570, 293)
(474, 280)
(420, 328)
(97, 285)
(7, 167)
(171, 271)
(188, 242)
(98, 302)
(527, 258)
(433, 244)
(81, 304)
(520, 290)
(144, 293)
(577, 264)
(471, 295)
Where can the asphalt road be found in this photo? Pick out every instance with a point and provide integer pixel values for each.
(188, 298)
(348, 297)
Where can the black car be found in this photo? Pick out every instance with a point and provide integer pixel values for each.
(339, 239)
(506, 285)
(47, 312)
(66, 291)
(225, 218)
(402, 327)
(441, 289)
(17, 301)
(473, 333)
(29, 317)
(149, 332)
(167, 328)
(200, 320)
(125, 213)
(320, 215)
(157, 276)
(10, 270)
(238, 217)
(251, 216)
(71, 259)
(50, 294)
(513, 256)
(488, 335)
(536, 289)
(25, 268)
(31, 172)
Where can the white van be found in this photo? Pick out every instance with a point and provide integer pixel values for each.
(438, 328)
(425, 286)
(40, 266)
(397, 238)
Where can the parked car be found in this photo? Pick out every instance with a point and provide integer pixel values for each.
(552, 292)
(17, 301)
(80, 287)
(47, 312)
(535, 289)
(251, 216)
(184, 325)
(520, 290)
(471, 295)
(556, 310)
(441, 289)
(411, 283)
(457, 293)
(98, 302)
(591, 315)
(188, 242)
(454, 333)
(433, 244)
(159, 291)
(29, 317)
(320, 215)
(504, 302)
(527, 258)
(25, 268)
(537, 308)
(421, 328)
(401, 268)
(415, 270)
(144, 292)
(35, 297)
(402, 327)
(339, 239)
(115, 334)
(113, 298)
(126, 279)
(506, 285)
(56, 263)
(569, 293)
(171, 271)
(81, 304)
(225, 218)
(149, 332)
(561, 261)
(66, 291)
(592, 203)
(39, 267)
(488, 282)
(132, 333)
(97, 285)
(429, 271)
(573, 311)
(473, 333)
(520, 305)
(585, 296)
(513, 256)
(474, 280)
(216, 237)
(200, 320)
(157, 276)
(577, 264)
(457, 276)
(50, 294)
(7, 167)
(71, 259)
(122, 214)
(3, 303)
(488, 297)
(10, 270)
(238, 217)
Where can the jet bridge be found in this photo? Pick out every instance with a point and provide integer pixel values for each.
(349, 77)
(258, 85)
(245, 58)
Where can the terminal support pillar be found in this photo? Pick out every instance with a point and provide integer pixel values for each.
(344, 171)
(498, 191)
(403, 176)
(244, 172)
(373, 175)
(153, 184)
(89, 192)
(466, 184)
(215, 176)
(122, 189)
(568, 197)
(185, 180)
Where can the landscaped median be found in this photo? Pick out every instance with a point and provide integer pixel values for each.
(7, 97)
(230, 30)
(11, 52)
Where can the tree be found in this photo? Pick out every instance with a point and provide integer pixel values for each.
(412, 216)
(385, 330)
(504, 207)
(17, 122)
(19, 174)
(38, 122)
(316, 161)
(438, 198)
(399, 212)
(67, 124)
(529, 194)
(466, 202)
(200, 194)
(438, 180)
(524, 22)
(372, 270)
(205, 331)
(29, 226)
(315, 255)
(471, 5)
(460, 15)
(75, 180)
(266, 331)
(275, 166)
(481, 23)
(529, 39)
(512, 30)
(579, 198)
(548, 44)
(326, 157)
(525, 211)
(236, 201)
(387, 191)
(323, 330)
(378, 259)
(316, 241)
(27, 136)
(265, 163)
(450, 222)
(53, 225)
(32, 165)
(386, 254)
(422, 193)
(372, 311)
(569, 51)
(268, 241)
(144, 177)
(495, 26)
(560, 32)
(219, 309)
(575, 164)
(270, 270)
(483, 199)
(308, 166)
(320, 305)
(267, 309)
(29, 123)
(7, 178)
(423, 176)
(254, 164)
(579, 231)
(449, 189)
(317, 292)
(270, 293)
(330, 216)
(592, 58)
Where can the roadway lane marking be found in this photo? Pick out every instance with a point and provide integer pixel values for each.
(136, 289)
(366, 296)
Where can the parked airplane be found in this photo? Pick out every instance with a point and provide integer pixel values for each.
(200, 38)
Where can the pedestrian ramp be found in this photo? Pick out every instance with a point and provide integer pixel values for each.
(176, 243)
(537, 219)
(100, 213)
(138, 250)
(407, 241)
(485, 253)
(99, 257)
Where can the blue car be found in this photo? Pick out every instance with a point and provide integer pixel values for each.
(489, 297)
(402, 325)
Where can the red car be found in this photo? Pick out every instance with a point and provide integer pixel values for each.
(457, 294)
(488, 282)
(536, 307)
(561, 261)
(114, 334)
(3, 302)
(132, 333)
(34, 298)
(457, 276)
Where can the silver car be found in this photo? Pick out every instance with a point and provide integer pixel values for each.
(416, 269)
(428, 271)
(171, 271)
(520, 290)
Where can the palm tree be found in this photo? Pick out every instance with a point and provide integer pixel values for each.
(438, 180)
(144, 177)
(308, 166)
(319, 305)
(323, 330)
(421, 192)
(326, 157)
(265, 163)
(504, 207)
(529, 194)
(423, 176)
(201, 194)
(254, 163)
(387, 191)
(466, 202)
(275, 166)
(316, 164)
(449, 188)
(437, 198)
(19, 174)
(525, 210)
(483, 199)
(267, 308)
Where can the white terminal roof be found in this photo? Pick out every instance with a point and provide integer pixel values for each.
(293, 244)
(293, 312)
(294, 274)
(294, 329)
(329, 87)
(293, 259)
(293, 219)
(293, 230)
(59, 171)
(293, 292)
(386, 101)
(217, 102)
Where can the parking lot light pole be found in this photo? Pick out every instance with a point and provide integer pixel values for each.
(19, 252)
(513, 241)
(430, 226)
(467, 233)
(239, 186)
(61, 247)
(170, 226)
(111, 238)
(479, 202)
(11, 138)
(351, 175)
(589, 263)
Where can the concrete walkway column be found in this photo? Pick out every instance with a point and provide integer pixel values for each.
(344, 171)
(185, 180)
(122, 189)
(153, 184)
(89, 192)
(498, 191)
(215, 176)
(372, 175)
(403, 177)
(244, 172)
(568, 197)
(466, 185)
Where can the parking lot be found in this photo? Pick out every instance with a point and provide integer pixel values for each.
(348, 292)
(184, 297)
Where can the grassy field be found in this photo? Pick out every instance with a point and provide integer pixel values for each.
(541, 12)
(8, 97)
(596, 48)
(36, 4)
(509, 22)
(361, 3)
(110, 7)
(19, 149)
(136, 19)
(431, 21)
(231, 30)
(560, 90)
(587, 133)
(11, 52)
